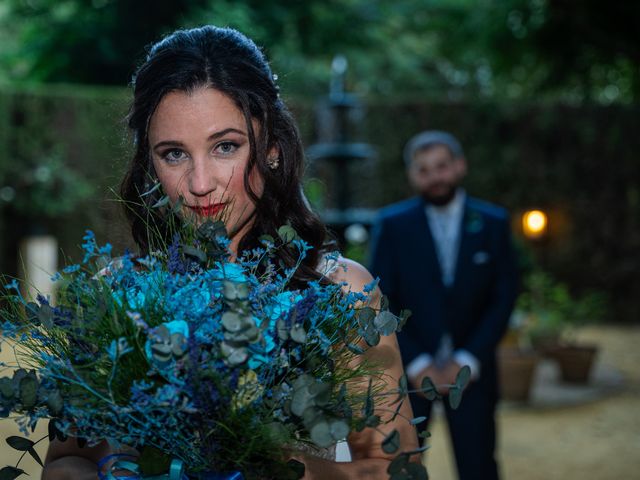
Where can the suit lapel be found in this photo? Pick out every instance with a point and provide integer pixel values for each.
(425, 250)
(470, 241)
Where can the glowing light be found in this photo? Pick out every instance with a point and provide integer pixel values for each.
(534, 223)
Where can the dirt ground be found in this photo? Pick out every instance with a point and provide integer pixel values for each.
(565, 433)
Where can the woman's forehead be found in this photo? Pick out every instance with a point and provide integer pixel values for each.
(201, 111)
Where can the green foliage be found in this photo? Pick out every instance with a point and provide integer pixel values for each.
(97, 42)
(461, 49)
(549, 310)
(42, 188)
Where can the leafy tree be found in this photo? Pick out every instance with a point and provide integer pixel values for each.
(462, 49)
(79, 41)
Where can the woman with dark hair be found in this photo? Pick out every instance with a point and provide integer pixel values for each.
(210, 127)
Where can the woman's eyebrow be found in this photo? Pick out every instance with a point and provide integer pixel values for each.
(213, 136)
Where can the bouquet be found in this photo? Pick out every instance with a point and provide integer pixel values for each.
(205, 366)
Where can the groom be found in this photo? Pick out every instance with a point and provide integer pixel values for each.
(448, 258)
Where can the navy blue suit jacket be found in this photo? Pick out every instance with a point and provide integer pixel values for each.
(475, 310)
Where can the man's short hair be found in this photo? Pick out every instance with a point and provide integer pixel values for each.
(428, 139)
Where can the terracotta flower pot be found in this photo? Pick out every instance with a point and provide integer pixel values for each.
(516, 369)
(575, 361)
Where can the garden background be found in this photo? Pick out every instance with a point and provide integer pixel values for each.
(543, 95)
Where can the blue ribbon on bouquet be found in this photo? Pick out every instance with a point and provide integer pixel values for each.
(176, 471)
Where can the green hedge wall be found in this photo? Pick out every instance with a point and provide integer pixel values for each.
(579, 163)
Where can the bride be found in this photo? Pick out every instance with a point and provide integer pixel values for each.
(210, 127)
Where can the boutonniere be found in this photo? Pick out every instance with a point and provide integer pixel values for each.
(474, 223)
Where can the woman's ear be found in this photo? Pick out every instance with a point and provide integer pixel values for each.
(274, 152)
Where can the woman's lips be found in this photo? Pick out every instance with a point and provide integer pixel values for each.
(209, 210)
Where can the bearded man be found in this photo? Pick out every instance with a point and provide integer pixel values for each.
(448, 258)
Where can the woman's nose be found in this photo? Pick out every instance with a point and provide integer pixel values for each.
(201, 179)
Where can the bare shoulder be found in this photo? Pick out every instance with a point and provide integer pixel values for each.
(350, 272)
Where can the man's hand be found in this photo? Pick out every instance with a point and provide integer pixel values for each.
(448, 376)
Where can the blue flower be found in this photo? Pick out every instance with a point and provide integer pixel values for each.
(232, 272)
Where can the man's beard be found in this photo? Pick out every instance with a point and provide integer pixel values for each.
(440, 199)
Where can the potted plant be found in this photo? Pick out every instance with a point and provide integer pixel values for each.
(517, 363)
(552, 315)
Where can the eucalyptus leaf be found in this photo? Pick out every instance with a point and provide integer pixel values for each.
(418, 420)
(20, 443)
(416, 471)
(233, 355)
(7, 388)
(45, 316)
(283, 331)
(232, 321)
(455, 397)
(321, 435)
(29, 391)
(417, 450)
(211, 230)
(403, 389)
(397, 464)
(386, 322)
(372, 421)
(35, 456)
(163, 202)
(366, 316)
(370, 335)
(157, 186)
(429, 389)
(463, 377)
(266, 239)
(235, 290)
(195, 253)
(287, 233)
(391, 442)
(339, 429)
(402, 475)
(300, 401)
(321, 392)
(10, 473)
(54, 402)
(54, 432)
(298, 334)
(298, 468)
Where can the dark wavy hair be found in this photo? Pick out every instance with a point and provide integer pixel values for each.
(228, 61)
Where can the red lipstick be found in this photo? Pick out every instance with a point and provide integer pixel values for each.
(209, 210)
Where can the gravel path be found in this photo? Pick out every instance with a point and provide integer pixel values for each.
(568, 432)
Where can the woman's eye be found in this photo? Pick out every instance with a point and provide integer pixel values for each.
(226, 148)
(174, 155)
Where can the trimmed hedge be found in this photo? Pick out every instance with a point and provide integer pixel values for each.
(577, 162)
